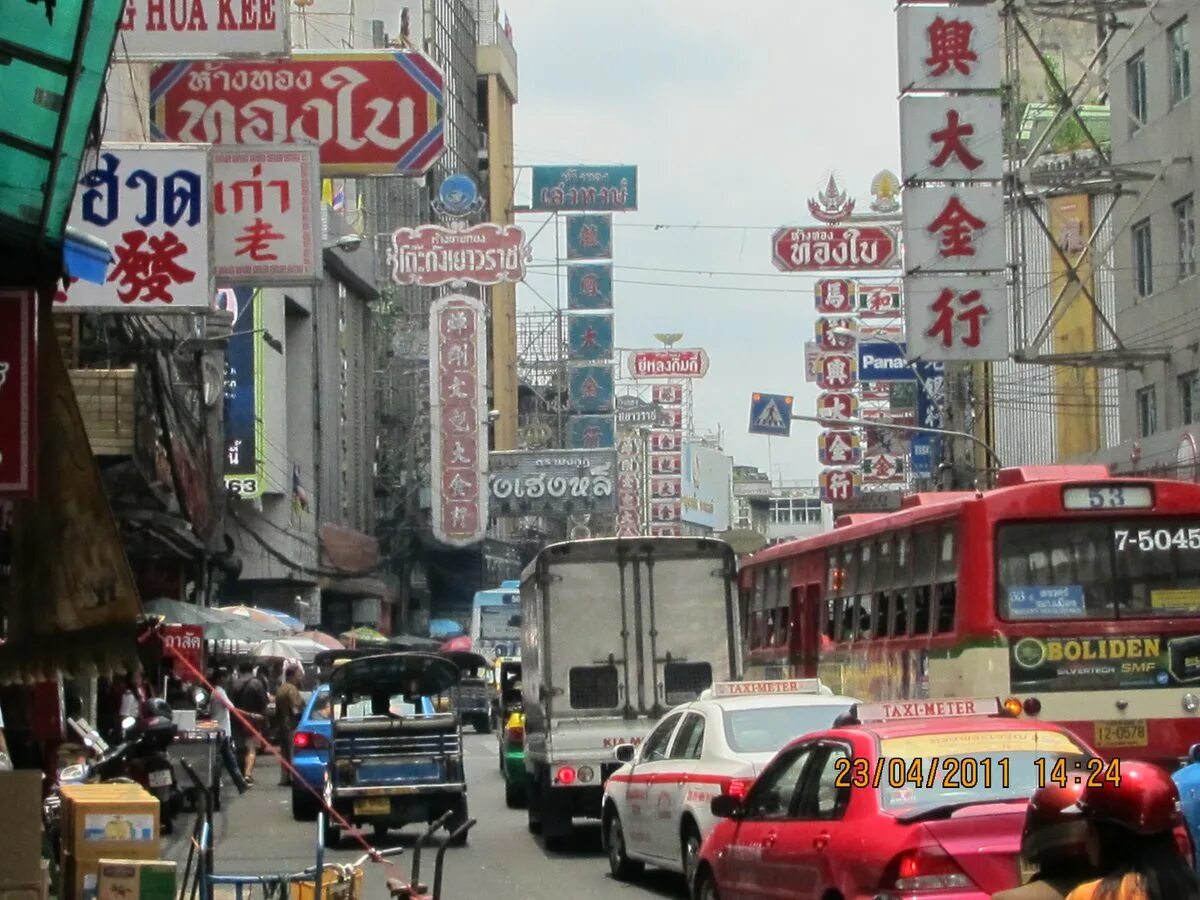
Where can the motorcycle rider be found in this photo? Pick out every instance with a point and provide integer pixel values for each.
(1056, 841)
(1135, 820)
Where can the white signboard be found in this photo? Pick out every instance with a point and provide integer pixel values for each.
(152, 205)
(706, 487)
(953, 229)
(203, 29)
(957, 318)
(266, 208)
(949, 138)
(950, 48)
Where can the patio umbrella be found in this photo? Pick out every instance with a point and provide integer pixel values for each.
(363, 635)
(412, 642)
(270, 619)
(328, 641)
(217, 625)
(290, 648)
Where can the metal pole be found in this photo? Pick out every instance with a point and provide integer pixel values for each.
(561, 387)
(891, 426)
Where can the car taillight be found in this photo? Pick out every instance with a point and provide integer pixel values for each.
(515, 734)
(924, 869)
(565, 775)
(1033, 706)
(737, 787)
(306, 740)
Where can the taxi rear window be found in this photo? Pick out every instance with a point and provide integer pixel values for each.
(765, 729)
(923, 772)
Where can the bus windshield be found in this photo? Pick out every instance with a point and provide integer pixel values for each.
(500, 623)
(1114, 569)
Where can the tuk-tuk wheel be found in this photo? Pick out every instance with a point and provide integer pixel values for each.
(458, 820)
(331, 835)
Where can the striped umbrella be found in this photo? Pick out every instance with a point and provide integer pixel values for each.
(268, 618)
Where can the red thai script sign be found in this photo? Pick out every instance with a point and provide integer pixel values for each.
(834, 248)
(458, 384)
(186, 641)
(18, 392)
(371, 112)
(668, 364)
(482, 254)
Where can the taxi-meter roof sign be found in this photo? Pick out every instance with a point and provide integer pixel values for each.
(928, 709)
(785, 686)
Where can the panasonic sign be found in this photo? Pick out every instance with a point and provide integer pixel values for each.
(884, 361)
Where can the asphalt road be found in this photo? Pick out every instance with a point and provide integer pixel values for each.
(256, 834)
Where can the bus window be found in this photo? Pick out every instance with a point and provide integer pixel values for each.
(866, 568)
(883, 614)
(924, 557)
(850, 572)
(947, 565)
(922, 601)
(831, 617)
(863, 621)
(783, 632)
(946, 599)
(900, 613)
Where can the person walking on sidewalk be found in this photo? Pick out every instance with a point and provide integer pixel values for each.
(288, 706)
(250, 698)
(221, 704)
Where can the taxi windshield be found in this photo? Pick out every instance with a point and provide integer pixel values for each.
(972, 767)
(767, 728)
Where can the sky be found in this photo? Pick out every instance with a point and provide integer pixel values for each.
(735, 114)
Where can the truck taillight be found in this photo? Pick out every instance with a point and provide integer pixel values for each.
(565, 775)
(515, 735)
(924, 869)
(737, 787)
(306, 740)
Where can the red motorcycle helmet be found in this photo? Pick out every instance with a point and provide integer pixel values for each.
(1143, 799)
(1054, 823)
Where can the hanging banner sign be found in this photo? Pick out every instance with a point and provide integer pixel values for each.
(203, 29)
(590, 337)
(582, 188)
(590, 286)
(458, 410)
(668, 363)
(244, 395)
(591, 389)
(589, 237)
(590, 432)
(18, 392)
(430, 255)
(371, 112)
(266, 207)
(152, 204)
(666, 463)
(552, 482)
(834, 248)
(834, 296)
(629, 484)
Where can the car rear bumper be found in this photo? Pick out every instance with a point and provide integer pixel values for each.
(398, 790)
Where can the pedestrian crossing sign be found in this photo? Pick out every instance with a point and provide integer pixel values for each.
(771, 414)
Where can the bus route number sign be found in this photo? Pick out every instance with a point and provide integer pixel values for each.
(1108, 497)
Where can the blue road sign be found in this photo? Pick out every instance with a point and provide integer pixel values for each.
(771, 414)
(924, 452)
(883, 361)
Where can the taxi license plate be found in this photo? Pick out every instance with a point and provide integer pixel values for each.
(372, 806)
(1131, 733)
(160, 778)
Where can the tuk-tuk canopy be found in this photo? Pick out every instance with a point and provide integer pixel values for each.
(412, 674)
(470, 664)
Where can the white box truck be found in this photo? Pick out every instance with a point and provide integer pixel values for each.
(615, 632)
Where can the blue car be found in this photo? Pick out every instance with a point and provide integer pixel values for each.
(310, 747)
(1187, 780)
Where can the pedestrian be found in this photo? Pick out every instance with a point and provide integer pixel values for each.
(1056, 843)
(288, 706)
(1135, 822)
(250, 698)
(221, 704)
(133, 698)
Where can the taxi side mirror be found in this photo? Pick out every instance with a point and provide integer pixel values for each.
(1194, 753)
(625, 753)
(724, 806)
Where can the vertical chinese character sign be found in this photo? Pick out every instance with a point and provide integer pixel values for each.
(956, 298)
(629, 483)
(458, 379)
(666, 463)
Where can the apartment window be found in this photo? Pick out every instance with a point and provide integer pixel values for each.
(1135, 84)
(1189, 398)
(1185, 226)
(1143, 259)
(1147, 410)
(1180, 61)
(795, 510)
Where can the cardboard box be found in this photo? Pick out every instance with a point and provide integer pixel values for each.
(22, 891)
(80, 878)
(136, 879)
(21, 849)
(110, 821)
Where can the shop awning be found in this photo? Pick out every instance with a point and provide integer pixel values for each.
(56, 54)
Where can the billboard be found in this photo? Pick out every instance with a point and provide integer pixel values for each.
(203, 29)
(552, 482)
(152, 204)
(371, 112)
(668, 363)
(266, 205)
(18, 391)
(430, 255)
(706, 488)
(830, 248)
(582, 188)
(458, 412)
(244, 394)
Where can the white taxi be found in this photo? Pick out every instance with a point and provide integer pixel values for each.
(656, 806)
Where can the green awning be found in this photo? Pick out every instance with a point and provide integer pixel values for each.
(54, 55)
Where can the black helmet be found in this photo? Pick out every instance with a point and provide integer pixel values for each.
(158, 708)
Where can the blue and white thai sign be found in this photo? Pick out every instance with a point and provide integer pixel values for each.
(924, 451)
(152, 205)
(244, 459)
(458, 198)
(590, 337)
(883, 361)
(591, 389)
(1046, 602)
(931, 394)
(590, 286)
(589, 236)
(591, 432)
(582, 188)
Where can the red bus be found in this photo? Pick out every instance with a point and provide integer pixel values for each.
(1071, 594)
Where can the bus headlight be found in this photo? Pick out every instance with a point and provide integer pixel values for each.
(1191, 702)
